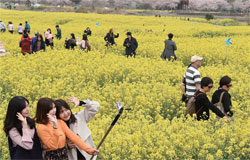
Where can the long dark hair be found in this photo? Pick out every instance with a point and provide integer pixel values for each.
(39, 35)
(111, 32)
(44, 105)
(16, 104)
(61, 103)
(73, 36)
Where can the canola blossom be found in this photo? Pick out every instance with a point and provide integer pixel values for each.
(156, 127)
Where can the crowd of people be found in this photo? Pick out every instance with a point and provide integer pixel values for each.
(30, 45)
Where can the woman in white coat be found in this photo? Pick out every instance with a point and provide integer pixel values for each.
(77, 122)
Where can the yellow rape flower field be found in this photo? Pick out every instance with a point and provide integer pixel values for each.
(156, 128)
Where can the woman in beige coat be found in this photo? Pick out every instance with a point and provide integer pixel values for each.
(77, 122)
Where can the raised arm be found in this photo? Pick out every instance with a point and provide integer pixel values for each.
(91, 107)
(76, 139)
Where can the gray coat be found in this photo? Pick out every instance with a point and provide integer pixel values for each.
(170, 47)
(81, 129)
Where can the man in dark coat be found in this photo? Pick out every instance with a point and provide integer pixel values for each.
(170, 48)
(131, 45)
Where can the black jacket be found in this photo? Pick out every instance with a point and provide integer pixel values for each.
(34, 46)
(131, 45)
(111, 39)
(226, 100)
(88, 32)
(70, 44)
(202, 104)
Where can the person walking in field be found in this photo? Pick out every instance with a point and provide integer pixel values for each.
(131, 45)
(221, 98)
(20, 29)
(170, 48)
(110, 38)
(71, 43)
(10, 27)
(193, 77)
(25, 44)
(38, 44)
(202, 103)
(84, 43)
(59, 32)
(2, 26)
(88, 32)
(27, 26)
(49, 38)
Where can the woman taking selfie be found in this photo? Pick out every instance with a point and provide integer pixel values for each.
(77, 122)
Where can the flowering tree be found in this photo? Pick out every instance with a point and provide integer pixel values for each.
(241, 5)
(168, 3)
(209, 5)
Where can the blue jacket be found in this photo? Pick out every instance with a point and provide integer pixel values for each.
(27, 26)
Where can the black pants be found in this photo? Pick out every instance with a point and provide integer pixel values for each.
(174, 58)
(131, 54)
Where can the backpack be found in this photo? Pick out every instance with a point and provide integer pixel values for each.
(219, 104)
(190, 108)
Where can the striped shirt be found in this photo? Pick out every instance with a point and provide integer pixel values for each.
(192, 77)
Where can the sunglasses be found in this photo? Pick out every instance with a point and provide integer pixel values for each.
(210, 86)
(229, 85)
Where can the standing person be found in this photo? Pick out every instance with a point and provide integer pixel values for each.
(59, 32)
(183, 89)
(170, 48)
(131, 45)
(38, 44)
(25, 44)
(110, 38)
(2, 26)
(77, 122)
(27, 26)
(20, 29)
(222, 95)
(87, 31)
(193, 76)
(202, 103)
(33, 40)
(10, 27)
(20, 129)
(84, 43)
(71, 43)
(53, 132)
(49, 38)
